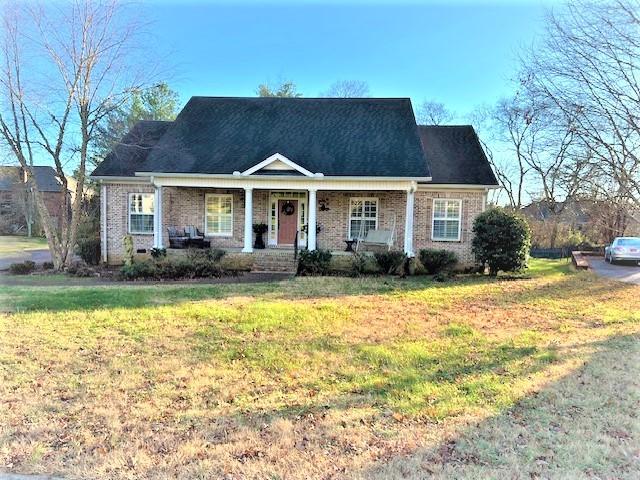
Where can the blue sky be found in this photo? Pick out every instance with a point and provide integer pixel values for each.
(460, 53)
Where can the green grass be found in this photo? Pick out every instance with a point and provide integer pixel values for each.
(116, 381)
(11, 246)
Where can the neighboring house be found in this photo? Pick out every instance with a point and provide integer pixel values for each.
(13, 196)
(336, 166)
(599, 220)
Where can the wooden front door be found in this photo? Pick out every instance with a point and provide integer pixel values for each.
(287, 221)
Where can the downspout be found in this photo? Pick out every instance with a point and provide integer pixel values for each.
(103, 220)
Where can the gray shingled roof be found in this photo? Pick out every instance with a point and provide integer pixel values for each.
(336, 137)
(455, 155)
(46, 178)
(9, 176)
(128, 156)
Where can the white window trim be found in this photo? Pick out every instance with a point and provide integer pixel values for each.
(206, 223)
(349, 217)
(433, 219)
(129, 230)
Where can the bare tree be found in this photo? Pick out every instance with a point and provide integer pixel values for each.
(587, 67)
(80, 75)
(431, 112)
(348, 89)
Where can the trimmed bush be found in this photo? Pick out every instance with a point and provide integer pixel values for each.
(171, 270)
(158, 252)
(236, 263)
(436, 261)
(501, 241)
(47, 265)
(358, 265)
(208, 254)
(314, 262)
(88, 249)
(390, 262)
(353, 265)
(22, 268)
(138, 271)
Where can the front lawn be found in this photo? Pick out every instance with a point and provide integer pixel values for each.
(12, 245)
(324, 378)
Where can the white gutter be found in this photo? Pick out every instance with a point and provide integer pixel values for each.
(455, 186)
(316, 177)
(110, 179)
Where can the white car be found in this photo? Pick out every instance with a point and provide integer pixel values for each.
(623, 248)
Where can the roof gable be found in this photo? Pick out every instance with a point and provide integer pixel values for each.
(279, 163)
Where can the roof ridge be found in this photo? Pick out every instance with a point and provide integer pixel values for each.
(462, 125)
(298, 98)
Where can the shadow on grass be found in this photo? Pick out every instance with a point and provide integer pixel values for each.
(581, 426)
(430, 379)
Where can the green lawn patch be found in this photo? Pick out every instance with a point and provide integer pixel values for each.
(357, 376)
(11, 246)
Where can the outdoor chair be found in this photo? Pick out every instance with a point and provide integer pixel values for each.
(178, 238)
(196, 238)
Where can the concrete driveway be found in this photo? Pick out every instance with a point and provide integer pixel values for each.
(38, 256)
(624, 272)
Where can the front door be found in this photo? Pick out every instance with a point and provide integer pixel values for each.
(287, 221)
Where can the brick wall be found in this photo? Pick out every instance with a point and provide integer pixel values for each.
(471, 207)
(334, 223)
(181, 207)
(118, 219)
(185, 206)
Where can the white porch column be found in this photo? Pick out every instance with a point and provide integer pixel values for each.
(311, 230)
(157, 217)
(408, 223)
(248, 220)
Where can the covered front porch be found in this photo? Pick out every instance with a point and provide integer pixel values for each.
(317, 216)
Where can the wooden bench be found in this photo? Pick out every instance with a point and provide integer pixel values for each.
(579, 261)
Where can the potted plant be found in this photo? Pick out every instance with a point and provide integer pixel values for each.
(259, 229)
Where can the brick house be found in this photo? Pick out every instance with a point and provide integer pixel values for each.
(319, 171)
(13, 192)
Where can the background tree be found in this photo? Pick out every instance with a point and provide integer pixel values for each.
(75, 55)
(586, 68)
(284, 88)
(158, 102)
(348, 89)
(431, 112)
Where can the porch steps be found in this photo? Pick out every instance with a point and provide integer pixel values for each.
(274, 261)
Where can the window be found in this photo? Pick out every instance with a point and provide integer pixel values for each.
(219, 215)
(446, 220)
(363, 216)
(141, 213)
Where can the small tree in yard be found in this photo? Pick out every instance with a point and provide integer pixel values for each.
(501, 240)
(63, 69)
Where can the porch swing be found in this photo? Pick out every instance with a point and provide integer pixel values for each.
(377, 237)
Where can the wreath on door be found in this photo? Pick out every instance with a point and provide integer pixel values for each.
(288, 208)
